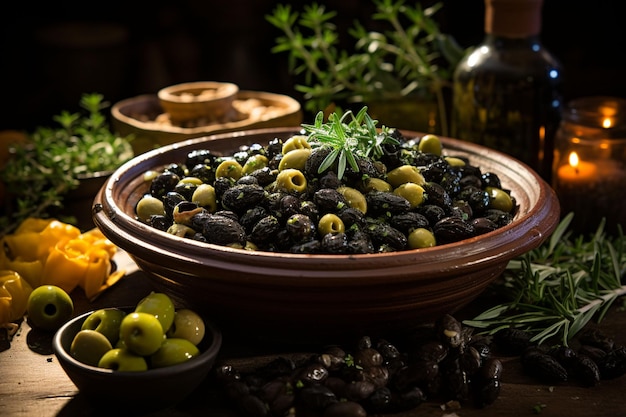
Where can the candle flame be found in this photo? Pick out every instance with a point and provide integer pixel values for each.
(607, 122)
(573, 159)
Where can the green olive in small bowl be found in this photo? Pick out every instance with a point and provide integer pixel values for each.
(143, 390)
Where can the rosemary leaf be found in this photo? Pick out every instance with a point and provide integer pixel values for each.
(555, 290)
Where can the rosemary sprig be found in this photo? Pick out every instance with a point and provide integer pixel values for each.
(349, 137)
(559, 287)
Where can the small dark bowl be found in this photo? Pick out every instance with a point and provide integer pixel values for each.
(141, 391)
(299, 297)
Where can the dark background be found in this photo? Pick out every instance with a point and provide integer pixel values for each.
(52, 53)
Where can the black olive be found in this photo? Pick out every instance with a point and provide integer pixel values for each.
(265, 230)
(170, 201)
(542, 365)
(288, 205)
(432, 212)
(314, 161)
(247, 180)
(300, 227)
(433, 171)
(351, 216)
(159, 222)
(222, 184)
(186, 189)
(360, 242)
(483, 225)
(222, 230)
(317, 397)
(264, 176)
(489, 179)
(382, 234)
(313, 246)
(309, 208)
(452, 229)
(383, 203)
(177, 169)
(499, 217)
(437, 195)
(163, 184)
(252, 216)
(335, 243)
(329, 200)
(274, 147)
(478, 199)
(239, 198)
(200, 156)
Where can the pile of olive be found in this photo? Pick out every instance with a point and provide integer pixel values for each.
(597, 358)
(445, 363)
(274, 198)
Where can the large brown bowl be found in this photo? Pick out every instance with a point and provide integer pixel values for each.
(314, 297)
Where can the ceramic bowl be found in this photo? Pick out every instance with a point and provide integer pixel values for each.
(144, 118)
(136, 391)
(299, 296)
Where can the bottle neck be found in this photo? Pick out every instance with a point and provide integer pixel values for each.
(513, 18)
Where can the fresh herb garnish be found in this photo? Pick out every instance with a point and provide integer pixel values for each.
(349, 137)
(559, 287)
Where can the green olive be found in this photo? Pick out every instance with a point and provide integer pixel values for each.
(253, 163)
(330, 223)
(430, 144)
(148, 206)
(421, 238)
(229, 168)
(295, 159)
(291, 180)
(354, 197)
(499, 199)
(190, 180)
(412, 192)
(205, 197)
(404, 174)
(295, 142)
(376, 184)
(181, 230)
(455, 162)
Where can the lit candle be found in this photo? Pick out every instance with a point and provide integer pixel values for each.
(577, 172)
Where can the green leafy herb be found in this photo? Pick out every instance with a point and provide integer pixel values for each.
(42, 170)
(559, 287)
(410, 56)
(349, 137)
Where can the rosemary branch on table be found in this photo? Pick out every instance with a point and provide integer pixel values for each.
(553, 291)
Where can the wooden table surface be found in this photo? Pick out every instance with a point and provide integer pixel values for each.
(33, 383)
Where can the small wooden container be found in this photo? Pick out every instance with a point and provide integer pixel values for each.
(208, 100)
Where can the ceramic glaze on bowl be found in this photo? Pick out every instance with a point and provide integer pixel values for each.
(309, 297)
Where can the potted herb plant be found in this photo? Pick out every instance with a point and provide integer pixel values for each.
(405, 68)
(57, 171)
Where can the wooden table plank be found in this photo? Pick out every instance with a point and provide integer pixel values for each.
(33, 384)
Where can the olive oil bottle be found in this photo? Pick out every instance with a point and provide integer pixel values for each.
(507, 90)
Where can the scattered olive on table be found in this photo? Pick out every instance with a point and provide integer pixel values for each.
(48, 307)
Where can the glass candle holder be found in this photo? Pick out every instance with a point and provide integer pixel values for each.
(589, 170)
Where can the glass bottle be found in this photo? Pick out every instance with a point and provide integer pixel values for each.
(507, 90)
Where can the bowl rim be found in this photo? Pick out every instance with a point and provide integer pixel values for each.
(67, 360)
(478, 252)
